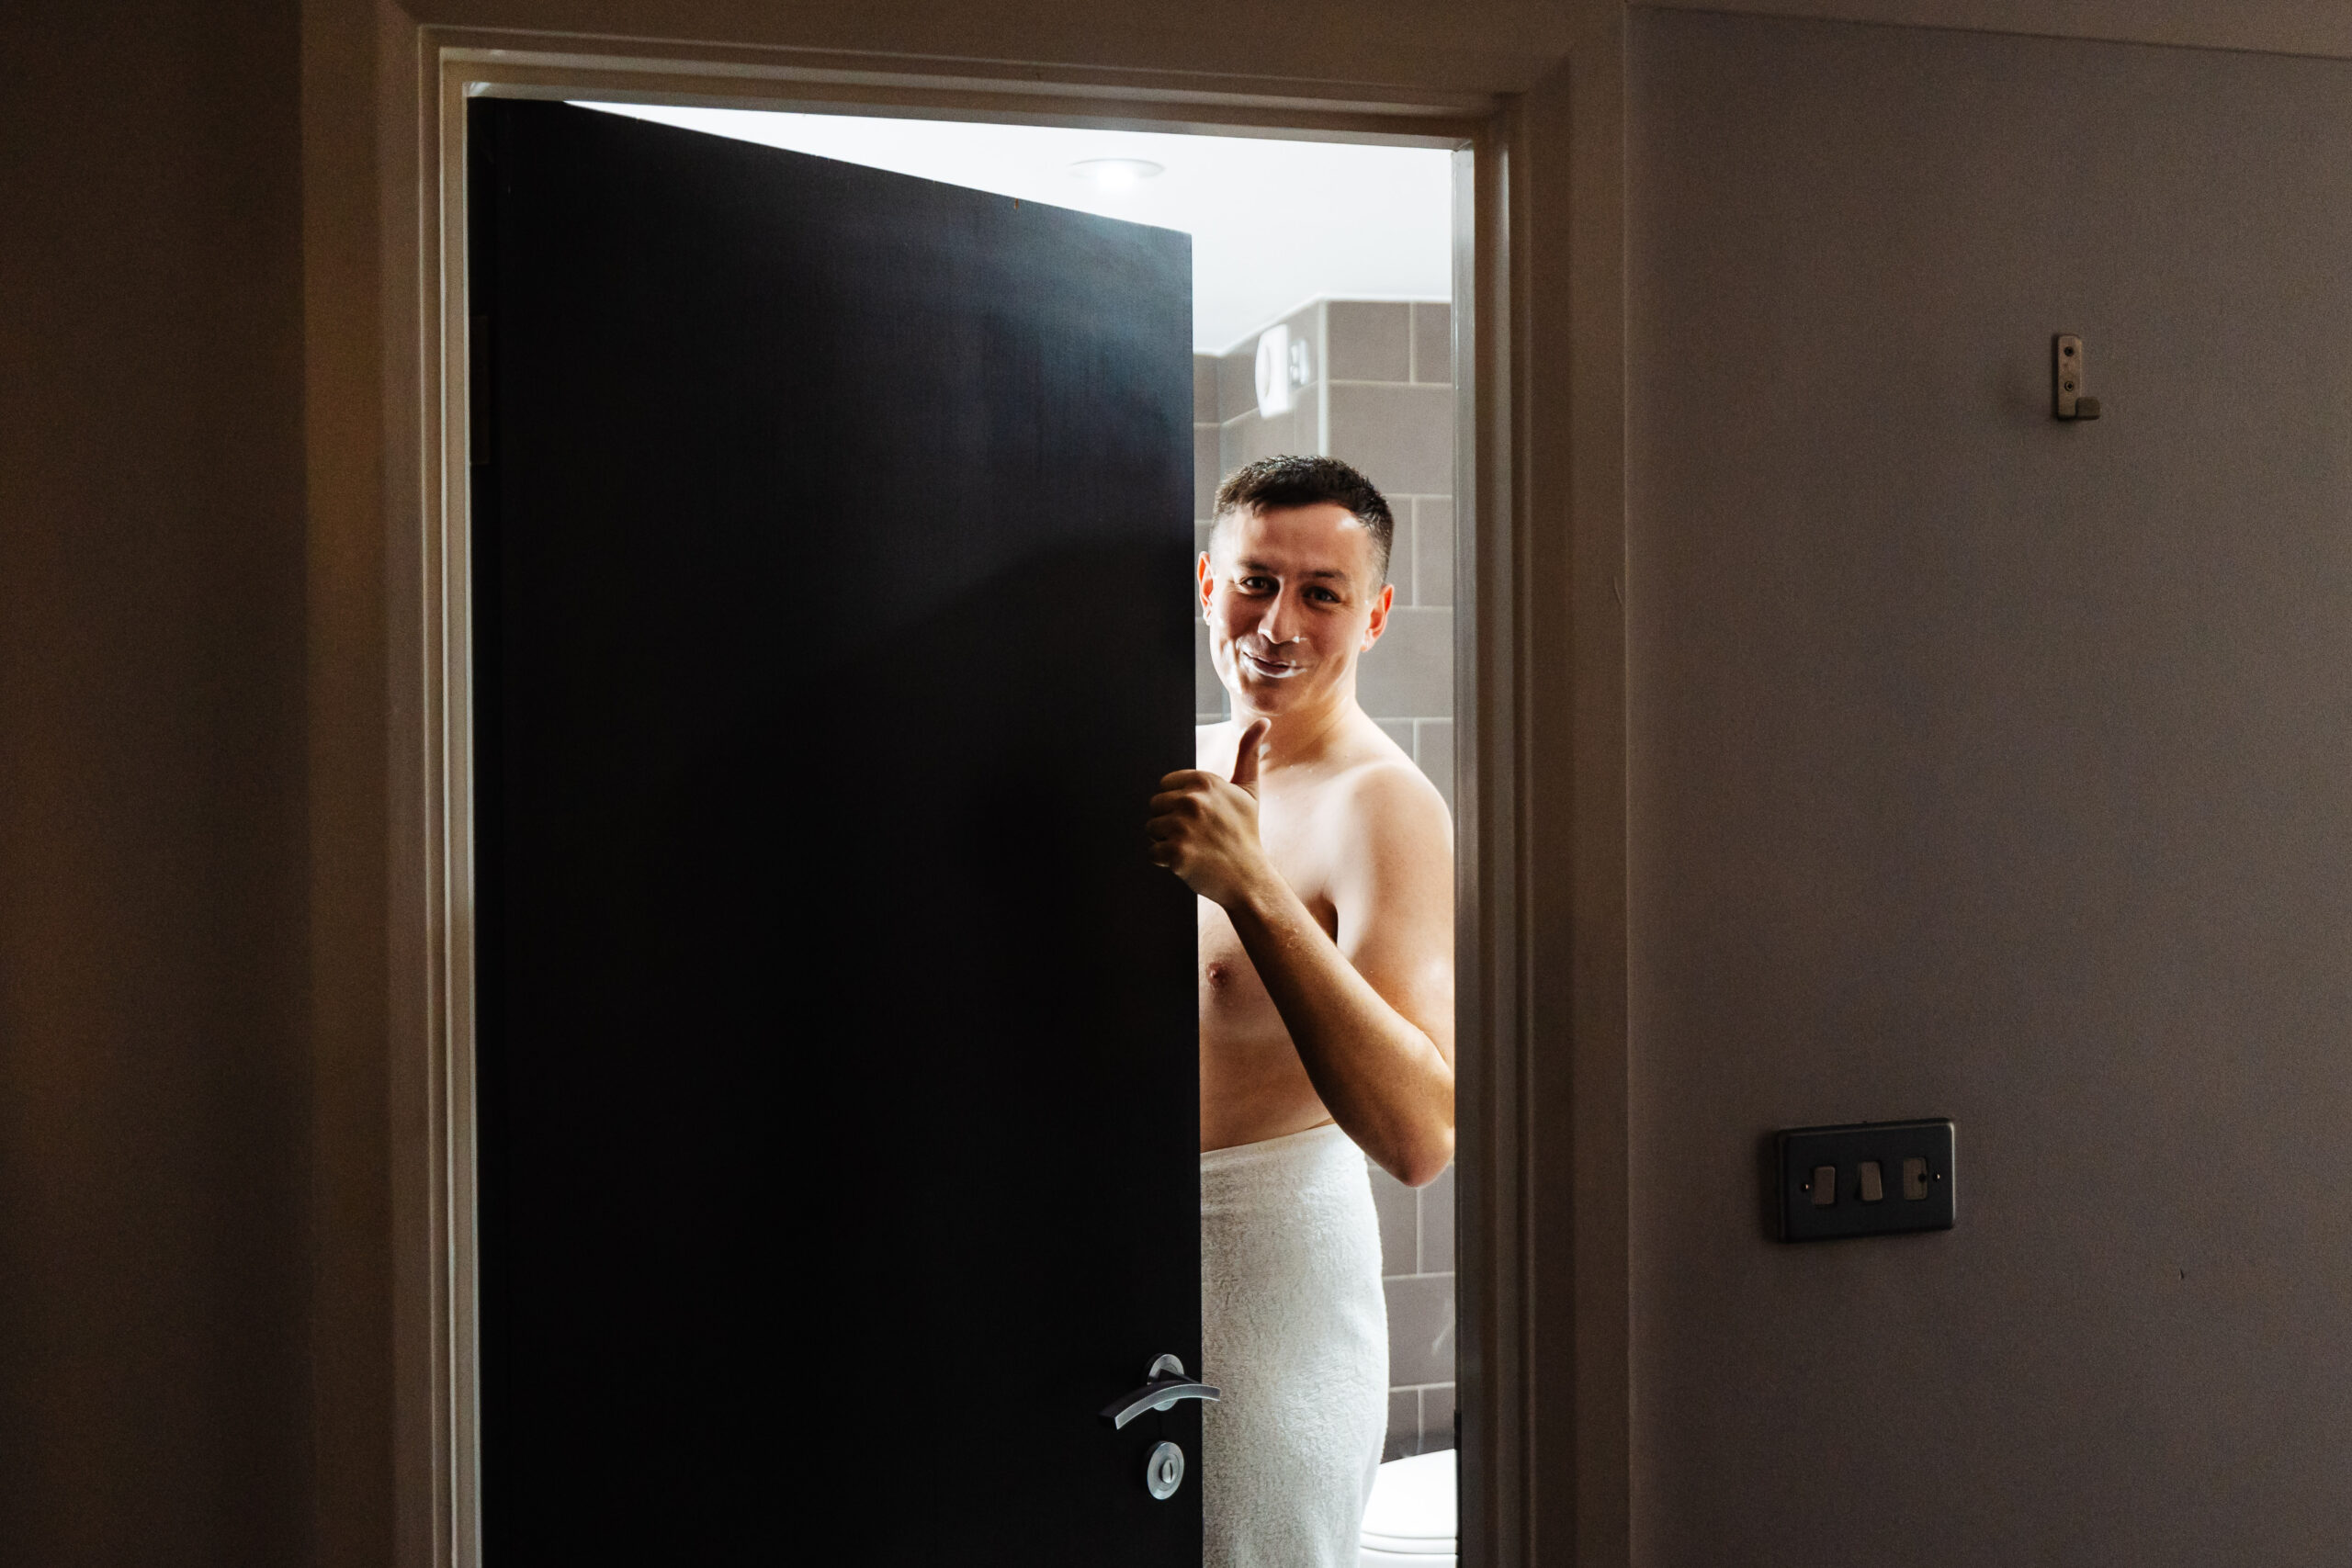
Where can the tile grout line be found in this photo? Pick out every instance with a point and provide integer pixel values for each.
(1417, 1244)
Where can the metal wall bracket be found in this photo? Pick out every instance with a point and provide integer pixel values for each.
(2067, 380)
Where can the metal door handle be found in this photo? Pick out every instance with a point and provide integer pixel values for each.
(1168, 1384)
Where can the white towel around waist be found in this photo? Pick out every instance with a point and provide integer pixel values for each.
(1295, 1329)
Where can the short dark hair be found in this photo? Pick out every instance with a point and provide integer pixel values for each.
(1273, 482)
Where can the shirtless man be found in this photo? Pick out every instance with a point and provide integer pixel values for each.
(1323, 859)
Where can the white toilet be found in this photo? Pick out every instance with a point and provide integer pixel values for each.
(1410, 1522)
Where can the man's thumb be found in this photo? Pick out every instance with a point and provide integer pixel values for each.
(1245, 760)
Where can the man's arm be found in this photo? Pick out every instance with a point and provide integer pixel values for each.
(1371, 1013)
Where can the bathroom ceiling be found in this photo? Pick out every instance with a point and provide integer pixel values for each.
(1274, 225)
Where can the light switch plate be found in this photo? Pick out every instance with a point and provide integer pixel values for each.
(1805, 1152)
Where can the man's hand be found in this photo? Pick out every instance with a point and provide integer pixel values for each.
(1205, 829)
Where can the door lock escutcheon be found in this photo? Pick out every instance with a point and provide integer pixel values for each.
(1164, 1471)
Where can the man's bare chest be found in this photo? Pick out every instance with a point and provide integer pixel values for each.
(1295, 826)
(1300, 855)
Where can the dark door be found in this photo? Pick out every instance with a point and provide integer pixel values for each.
(838, 1072)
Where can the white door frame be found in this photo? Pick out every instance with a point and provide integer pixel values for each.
(1542, 1271)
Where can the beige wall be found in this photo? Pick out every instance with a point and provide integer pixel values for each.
(1989, 767)
(2284, 26)
(153, 1058)
(200, 575)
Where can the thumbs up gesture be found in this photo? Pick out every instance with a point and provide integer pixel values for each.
(1205, 829)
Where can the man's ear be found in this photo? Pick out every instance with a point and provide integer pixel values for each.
(1204, 579)
(1379, 623)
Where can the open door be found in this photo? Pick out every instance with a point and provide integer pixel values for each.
(838, 1063)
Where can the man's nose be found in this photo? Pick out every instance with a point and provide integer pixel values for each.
(1281, 616)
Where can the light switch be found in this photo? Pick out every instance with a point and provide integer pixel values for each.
(1914, 1179)
(1870, 1158)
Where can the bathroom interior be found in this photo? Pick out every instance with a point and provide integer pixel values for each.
(1322, 324)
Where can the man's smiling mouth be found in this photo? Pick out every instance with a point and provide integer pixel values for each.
(1271, 669)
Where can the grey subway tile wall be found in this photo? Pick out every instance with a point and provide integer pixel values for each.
(1400, 1233)
(1404, 1414)
(1436, 1214)
(1209, 704)
(1410, 672)
(1205, 370)
(1421, 1329)
(1437, 1416)
(1369, 340)
(1207, 466)
(1405, 431)
(1432, 550)
(1433, 343)
(1379, 395)
(1434, 749)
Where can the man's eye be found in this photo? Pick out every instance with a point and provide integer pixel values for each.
(1258, 584)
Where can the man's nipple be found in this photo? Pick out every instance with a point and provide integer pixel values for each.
(1219, 972)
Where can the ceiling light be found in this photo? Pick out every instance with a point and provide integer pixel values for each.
(1116, 173)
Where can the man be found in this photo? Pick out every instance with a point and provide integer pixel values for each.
(1324, 864)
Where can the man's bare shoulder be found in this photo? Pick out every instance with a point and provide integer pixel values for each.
(1389, 842)
(1375, 802)
(1389, 797)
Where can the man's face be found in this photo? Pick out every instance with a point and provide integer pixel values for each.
(1291, 602)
